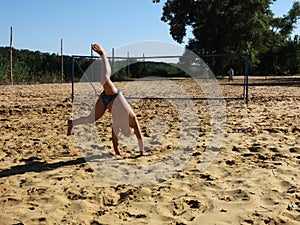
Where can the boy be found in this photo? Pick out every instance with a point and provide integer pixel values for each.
(124, 119)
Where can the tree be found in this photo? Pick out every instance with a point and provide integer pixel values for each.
(284, 59)
(226, 26)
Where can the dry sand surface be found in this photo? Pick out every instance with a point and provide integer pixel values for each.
(254, 178)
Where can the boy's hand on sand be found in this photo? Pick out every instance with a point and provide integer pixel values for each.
(98, 48)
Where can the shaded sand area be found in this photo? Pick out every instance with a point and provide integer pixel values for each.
(254, 179)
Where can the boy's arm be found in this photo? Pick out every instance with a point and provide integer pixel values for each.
(115, 143)
(139, 137)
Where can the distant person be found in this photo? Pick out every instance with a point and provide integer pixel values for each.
(206, 74)
(230, 74)
(123, 118)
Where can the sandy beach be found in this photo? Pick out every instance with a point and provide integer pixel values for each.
(254, 178)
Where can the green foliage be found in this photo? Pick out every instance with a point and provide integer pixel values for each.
(284, 59)
(33, 67)
(37, 67)
(236, 26)
(145, 69)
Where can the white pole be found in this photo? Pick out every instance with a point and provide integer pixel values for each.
(62, 61)
(11, 57)
(112, 59)
(128, 65)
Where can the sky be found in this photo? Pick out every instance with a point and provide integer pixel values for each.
(39, 25)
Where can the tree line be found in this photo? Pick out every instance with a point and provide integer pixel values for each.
(37, 67)
(31, 66)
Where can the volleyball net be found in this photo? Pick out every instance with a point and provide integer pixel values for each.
(204, 68)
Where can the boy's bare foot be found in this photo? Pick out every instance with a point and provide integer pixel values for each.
(70, 127)
(118, 152)
(121, 154)
(145, 154)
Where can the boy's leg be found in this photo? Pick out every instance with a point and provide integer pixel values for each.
(95, 114)
(109, 88)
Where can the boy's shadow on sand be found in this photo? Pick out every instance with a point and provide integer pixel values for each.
(34, 164)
